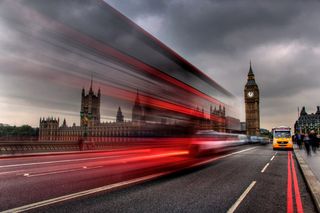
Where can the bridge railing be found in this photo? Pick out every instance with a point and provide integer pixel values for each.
(92, 143)
(16, 147)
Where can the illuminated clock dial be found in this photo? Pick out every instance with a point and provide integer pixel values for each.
(250, 94)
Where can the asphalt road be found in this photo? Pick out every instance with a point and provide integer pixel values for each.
(245, 179)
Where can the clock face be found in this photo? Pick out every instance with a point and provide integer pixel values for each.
(250, 94)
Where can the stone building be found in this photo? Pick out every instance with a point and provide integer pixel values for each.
(90, 125)
(233, 125)
(90, 108)
(307, 122)
(120, 117)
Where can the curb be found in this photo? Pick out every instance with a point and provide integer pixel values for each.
(312, 181)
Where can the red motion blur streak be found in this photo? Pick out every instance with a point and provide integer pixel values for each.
(154, 102)
(173, 53)
(105, 49)
(101, 47)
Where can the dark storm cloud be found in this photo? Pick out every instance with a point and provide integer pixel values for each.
(217, 25)
(280, 37)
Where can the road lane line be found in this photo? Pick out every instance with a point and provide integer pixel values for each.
(221, 157)
(52, 162)
(62, 171)
(9, 172)
(107, 187)
(241, 198)
(296, 187)
(265, 167)
(84, 193)
(289, 189)
(273, 157)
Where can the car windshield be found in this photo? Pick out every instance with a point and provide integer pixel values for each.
(282, 134)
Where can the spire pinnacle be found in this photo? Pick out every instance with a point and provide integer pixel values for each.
(119, 116)
(91, 82)
(250, 69)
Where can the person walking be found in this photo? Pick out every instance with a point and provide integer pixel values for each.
(313, 141)
(299, 140)
(81, 143)
(306, 141)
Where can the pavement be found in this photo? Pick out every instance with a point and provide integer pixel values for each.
(313, 161)
(310, 167)
(244, 179)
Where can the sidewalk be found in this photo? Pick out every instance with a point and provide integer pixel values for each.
(313, 161)
(310, 167)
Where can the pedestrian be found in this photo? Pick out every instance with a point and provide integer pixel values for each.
(299, 140)
(81, 143)
(294, 138)
(306, 141)
(313, 141)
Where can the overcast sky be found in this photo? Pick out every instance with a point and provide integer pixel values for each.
(281, 38)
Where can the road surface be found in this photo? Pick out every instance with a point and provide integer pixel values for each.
(244, 179)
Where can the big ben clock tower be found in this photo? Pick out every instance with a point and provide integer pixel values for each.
(252, 101)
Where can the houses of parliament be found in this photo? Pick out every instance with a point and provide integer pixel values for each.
(140, 125)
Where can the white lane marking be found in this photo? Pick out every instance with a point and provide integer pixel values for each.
(265, 167)
(240, 199)
(275, 153)
(83, 193)
(61, 171)
(221, 157)
(51, 162)
(107, 187)
(57, 161)
(9, 172)
(26, 174)
(272, 158)
(23, 170)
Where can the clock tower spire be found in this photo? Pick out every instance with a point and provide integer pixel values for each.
(252, 104)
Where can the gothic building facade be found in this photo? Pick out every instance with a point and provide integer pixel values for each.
(91, 126)
(90, 108)
(252, 104)
(307, 122)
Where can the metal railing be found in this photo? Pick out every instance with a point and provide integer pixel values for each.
(16, 147)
